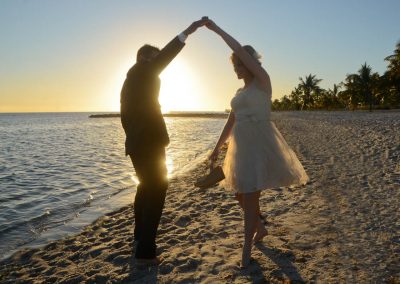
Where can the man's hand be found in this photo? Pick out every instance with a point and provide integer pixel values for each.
(195, 25)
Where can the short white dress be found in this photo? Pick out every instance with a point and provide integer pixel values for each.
(258, 156)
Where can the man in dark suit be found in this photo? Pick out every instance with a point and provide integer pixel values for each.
(147, 137)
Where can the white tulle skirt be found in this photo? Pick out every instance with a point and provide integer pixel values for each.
(259, 158)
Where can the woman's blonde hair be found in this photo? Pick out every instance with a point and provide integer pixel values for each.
(250, 50)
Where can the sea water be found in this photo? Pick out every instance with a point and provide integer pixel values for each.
(61, 171)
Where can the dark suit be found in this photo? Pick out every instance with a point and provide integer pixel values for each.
(146, 139)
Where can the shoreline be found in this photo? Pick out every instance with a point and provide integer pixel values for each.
(183, 114)
(340, 227)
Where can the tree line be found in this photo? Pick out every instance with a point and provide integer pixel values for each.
(362, 90)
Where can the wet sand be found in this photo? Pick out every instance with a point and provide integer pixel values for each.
(342, 227)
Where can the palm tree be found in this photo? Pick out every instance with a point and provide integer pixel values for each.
(344, 97)
(276, 105)
(394, 59)
(366, 83)
(332, 97)
(295, 98)
(361, 86)
(352, 93)
(309, 86)
(391, 78)
(335, 91)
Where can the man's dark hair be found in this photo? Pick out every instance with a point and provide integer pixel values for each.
(146, 50)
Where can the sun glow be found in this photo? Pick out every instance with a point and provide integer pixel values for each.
(180, 90)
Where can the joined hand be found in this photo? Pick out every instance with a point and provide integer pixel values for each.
(195, 25)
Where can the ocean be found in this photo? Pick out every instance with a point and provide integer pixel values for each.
(61, 171)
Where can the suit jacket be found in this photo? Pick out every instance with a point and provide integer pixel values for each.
(141, 115)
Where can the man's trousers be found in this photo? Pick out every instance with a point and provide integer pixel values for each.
(151, 170)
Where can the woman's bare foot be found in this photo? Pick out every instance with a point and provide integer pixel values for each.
(261, 233)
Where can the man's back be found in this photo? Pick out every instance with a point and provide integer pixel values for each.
(141, 115)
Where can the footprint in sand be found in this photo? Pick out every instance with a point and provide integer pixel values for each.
(183, 221)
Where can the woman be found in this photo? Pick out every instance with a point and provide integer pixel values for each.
(258, 157)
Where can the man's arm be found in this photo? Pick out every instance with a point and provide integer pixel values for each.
(167, 54)
(175, 46)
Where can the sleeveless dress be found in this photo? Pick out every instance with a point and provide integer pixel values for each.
(258, 156)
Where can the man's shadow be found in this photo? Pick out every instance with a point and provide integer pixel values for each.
(141, 273)
(284, 260)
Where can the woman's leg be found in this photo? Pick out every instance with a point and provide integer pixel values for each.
(261, 232)
(251, 217)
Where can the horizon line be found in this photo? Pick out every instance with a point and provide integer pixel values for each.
(172, 111)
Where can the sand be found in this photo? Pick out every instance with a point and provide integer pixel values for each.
(342, 227)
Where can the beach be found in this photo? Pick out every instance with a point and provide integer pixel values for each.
(341, 227)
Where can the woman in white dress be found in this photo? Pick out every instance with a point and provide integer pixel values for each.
(258, 157)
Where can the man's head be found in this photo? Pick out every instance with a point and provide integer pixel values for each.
(146, 53)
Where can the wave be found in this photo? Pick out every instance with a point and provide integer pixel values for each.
(193, 164)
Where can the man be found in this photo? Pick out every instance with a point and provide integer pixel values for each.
(147, 137)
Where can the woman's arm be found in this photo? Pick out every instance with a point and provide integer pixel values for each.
(226, 132)
(252, 64)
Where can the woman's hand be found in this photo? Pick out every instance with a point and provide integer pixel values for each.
(211, 25)
(214, 155)
(195, 25)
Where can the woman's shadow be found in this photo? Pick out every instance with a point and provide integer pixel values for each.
(284, 260)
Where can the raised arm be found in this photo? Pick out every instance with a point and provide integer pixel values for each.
(168, 53)
(252, 64)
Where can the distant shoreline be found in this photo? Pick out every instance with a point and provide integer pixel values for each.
(183, 114)
(225, 114)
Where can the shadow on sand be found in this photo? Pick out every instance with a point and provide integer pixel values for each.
(255, 272)
(284, 260)
(141, 274)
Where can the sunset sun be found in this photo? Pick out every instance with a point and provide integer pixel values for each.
(180, 89)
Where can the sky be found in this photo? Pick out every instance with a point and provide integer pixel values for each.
(73, 55)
